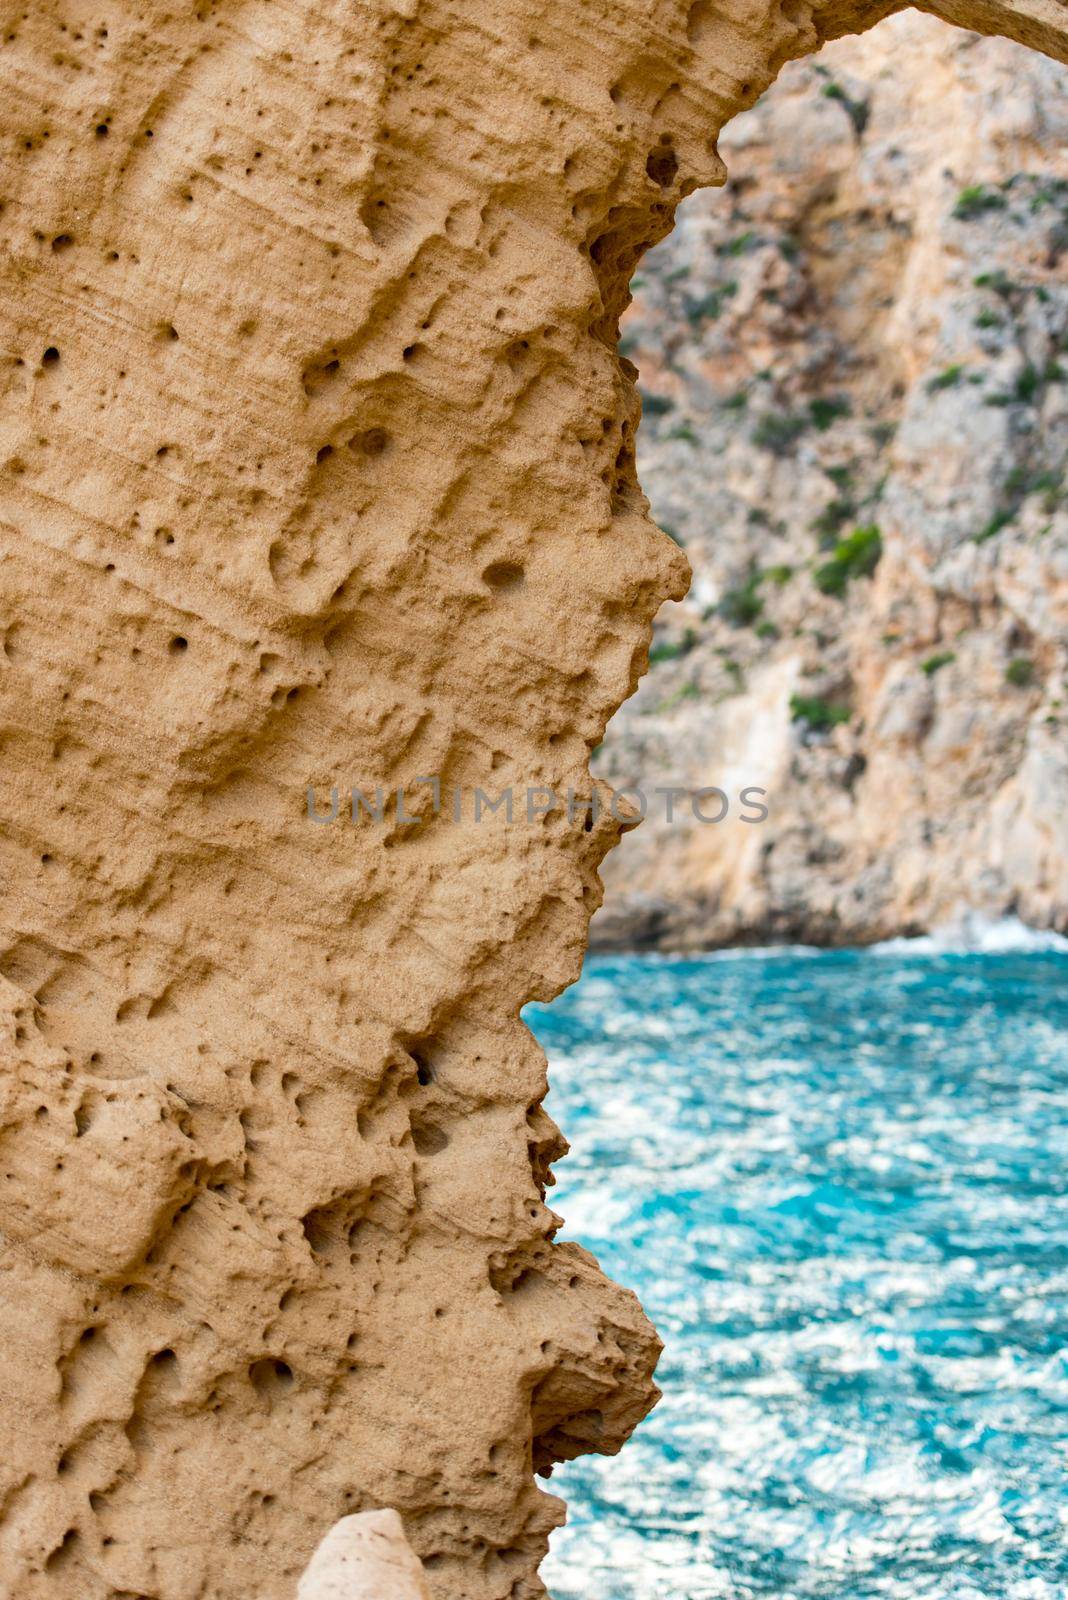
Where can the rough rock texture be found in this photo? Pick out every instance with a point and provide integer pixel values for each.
(868, 330)
(364, 1557)
(317, 468)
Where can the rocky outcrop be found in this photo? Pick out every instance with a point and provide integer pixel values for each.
(856, 374)
(318, 472)
(365, 1557)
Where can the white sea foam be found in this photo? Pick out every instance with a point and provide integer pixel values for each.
(974, 934)
(971, 933)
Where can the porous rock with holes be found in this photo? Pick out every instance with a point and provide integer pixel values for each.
(317, 458)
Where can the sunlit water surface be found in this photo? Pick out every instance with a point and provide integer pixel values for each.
(838, 1184)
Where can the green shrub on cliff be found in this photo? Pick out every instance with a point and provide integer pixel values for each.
(975, 200)
(854, 557)
(1022, 482)
(742, 606)
(999, 282)
(832, 519)
(827, 409)
(816, 713)
(945, 380)
(710, 307)
(1018, 486)
(672, 649)
(779, 431)
(656, 405)
(857, 111)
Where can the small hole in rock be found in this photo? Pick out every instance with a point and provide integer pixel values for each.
(503, 575)
(428, 1139)
(371, 442)
(269, 1376)
(63, 1552)
(662, 166)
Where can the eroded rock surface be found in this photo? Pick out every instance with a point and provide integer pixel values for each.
(317, 469)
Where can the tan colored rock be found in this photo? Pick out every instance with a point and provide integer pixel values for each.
(364, 1557)
(317, 470)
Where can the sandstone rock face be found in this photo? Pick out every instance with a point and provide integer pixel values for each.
(869, 330)
(317, 470)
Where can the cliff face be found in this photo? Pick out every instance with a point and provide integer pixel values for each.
(855, 363)
(317, 470)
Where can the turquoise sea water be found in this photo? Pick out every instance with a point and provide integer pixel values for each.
(839, 1184)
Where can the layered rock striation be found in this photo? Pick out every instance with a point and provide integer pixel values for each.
(318, 471)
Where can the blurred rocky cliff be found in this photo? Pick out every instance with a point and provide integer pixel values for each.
(854, 362)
